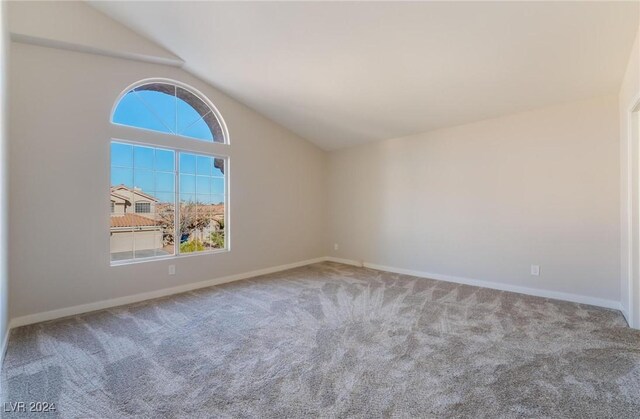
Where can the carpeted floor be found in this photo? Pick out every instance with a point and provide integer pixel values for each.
(331, 340)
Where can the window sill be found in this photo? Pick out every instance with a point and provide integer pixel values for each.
(167, 257)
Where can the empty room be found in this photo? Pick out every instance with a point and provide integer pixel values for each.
(319, 209)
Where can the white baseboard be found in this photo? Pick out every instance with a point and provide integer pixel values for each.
(114, 302)
(556, 295)
(625, 313)
(344, 261)
(100, 305)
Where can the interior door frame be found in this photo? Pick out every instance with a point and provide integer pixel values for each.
(631, 249)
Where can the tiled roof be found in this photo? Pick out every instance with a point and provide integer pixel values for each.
(131, 220)
(212, 208)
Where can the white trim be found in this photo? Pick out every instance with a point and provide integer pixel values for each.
(157, 139)
(556, 295)
(126, 262)
(176, 173)
(114, 302)
(5, 342)
(344, 261)
(627, 281)
(625, 314)
(100, 305)
(175, 83)
(52, 43)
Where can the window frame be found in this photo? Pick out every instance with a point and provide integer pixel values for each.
(196, 92)
(176, 221)
(178, 144)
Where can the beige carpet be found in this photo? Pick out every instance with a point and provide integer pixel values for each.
(331, 340)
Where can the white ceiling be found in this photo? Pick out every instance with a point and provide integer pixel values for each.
(340, 74)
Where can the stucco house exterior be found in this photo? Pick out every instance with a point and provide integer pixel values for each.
(133, 223)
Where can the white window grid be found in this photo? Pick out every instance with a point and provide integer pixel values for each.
(176, 202)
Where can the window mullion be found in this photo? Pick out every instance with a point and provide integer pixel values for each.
(177, 235)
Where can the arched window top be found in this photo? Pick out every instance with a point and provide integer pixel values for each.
(168, 107)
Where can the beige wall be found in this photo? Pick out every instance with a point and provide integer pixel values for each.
(61, 103)
(74, 24)
(487, 200)
(629, 98)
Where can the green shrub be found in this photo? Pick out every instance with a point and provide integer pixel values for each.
(192, 246)
(217, 239)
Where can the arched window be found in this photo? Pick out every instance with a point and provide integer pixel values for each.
(168, 108)
(167, 201)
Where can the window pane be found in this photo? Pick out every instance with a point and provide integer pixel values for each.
(187, 183)
(143, 198)
(147, 231)
(165, 213)
(203, 199)
(189, 225)
(148, 243)
(142, 220)
(164, 107)
(187, 116)
(217, 200)
(160, 99)
(187, 163)
(191, 110)
(121, 155)
(121, 243)
(143, 157)
(132, 111)
(186, 198)
(217, 235)
(164, 182)
(202, 213)
(203, 184)
(143, 180)
(199, 130)
(165, 160)
(120, 176)
(204, 165)
(165, 198)
(217, 185)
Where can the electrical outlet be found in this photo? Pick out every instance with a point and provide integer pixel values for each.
(172, 269)
(335, 246)
(535, 270)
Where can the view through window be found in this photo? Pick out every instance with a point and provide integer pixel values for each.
(144, 187)
(166, 201)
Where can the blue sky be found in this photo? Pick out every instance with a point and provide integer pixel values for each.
(152, 169)
(161, 112)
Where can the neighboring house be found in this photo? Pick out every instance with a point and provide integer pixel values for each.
(134, 226)
(215, 212)
(132, 221)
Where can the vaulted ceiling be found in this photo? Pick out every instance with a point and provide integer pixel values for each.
(340, 74)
